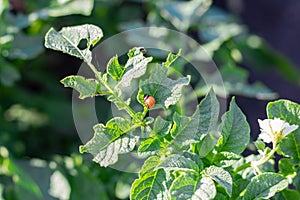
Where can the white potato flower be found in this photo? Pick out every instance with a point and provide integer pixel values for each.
(272, 129)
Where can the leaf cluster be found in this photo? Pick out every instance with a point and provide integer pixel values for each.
(188, 157)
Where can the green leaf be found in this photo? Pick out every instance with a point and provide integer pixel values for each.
(171, 58)
(150, 146)
(191, 186)
(136, 66)
(262, 56)
(85, 87)
(284, 109)
(289, 112)
(82, 184)
(221, 196)
(260, 145)
(68, 39)
(43, 10)
(296, 181)
(114, 69)
(288, 194)
(54, 8)
(286, 167)
(149, 165)
(195, 158)
(155, 142)
(236, 83)
(290, 145)
(26, 46)
(225, 159)
(239, 184)
(24, 183)
(161, 127)
(83, 7)
(165, 91)
(118, 101)
(191, 129)
(134, 55)
(183, 14)
(221, 176)
(116, 137)
(3, 6)
(206, 145)
(179, 163)
(150, 186)
(235, 130)
(140, 97)
(264, 186)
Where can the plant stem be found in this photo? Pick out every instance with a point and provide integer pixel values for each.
(126, 107)
(264, 159)
(240, 168)
(255, 164)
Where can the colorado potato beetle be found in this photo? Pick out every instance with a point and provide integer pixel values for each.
(149, 101)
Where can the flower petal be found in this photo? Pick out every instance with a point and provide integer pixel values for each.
(289, 128)
(264, 125)
(277, 125)
(264, 136)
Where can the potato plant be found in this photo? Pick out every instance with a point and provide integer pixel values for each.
(186, 157)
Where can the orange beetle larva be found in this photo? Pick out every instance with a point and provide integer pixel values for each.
(149, 101)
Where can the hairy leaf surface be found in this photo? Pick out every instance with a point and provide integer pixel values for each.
(85, 87)
(191, 129)
(165, 90)
(264, 186)
(150, 186)
(68, 39)
(235, 130)
(110, 140)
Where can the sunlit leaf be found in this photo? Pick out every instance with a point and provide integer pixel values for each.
(85, 87)
(114, 69)
(191, 186)
(59, 186)
(150, 164)
(206, 145)
(135, 66)
(191, 129)
(264, 186)
(171, 58)
(68, 39)
(179, 163)
(182, 14)
(221, 176)
(235, 130)
(165, 90)
(110, 140)
(225, 159)
(150, 186)
(62, 8)
(155, 142)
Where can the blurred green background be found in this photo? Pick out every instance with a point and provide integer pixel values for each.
(39, 156)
